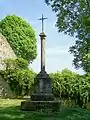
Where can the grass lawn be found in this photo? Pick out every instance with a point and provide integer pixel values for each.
(10, 110)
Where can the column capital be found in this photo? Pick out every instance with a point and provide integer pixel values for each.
(42, 35)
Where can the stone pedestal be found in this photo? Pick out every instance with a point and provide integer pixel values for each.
(38, 105)
(43, 88)
(42, 95)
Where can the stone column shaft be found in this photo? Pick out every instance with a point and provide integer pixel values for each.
(42, 54)
(42, 37)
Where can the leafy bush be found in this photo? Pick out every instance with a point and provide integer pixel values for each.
(16, 63)
(67, 84)
(18, 76)
(20, 36)
(20, 81)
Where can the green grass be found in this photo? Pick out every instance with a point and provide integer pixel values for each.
(10, 110)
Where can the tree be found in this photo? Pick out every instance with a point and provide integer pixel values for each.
(81, 51)
(73, 18)
(20, 36)
(71, 14)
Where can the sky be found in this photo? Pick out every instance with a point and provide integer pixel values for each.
(57, 46)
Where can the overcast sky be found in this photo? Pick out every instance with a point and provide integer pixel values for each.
(57, 44)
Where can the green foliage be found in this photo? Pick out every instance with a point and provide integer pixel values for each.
(16, 63)
(72, 15)
(73, 18)
(18, 76)
(69, 85)
(20, 36)
(81, 50)
(20, 81)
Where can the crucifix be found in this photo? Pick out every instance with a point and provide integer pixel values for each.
(42, 19)
(42, 37)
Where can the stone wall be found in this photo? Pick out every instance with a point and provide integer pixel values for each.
(5, 51)
(5, 91)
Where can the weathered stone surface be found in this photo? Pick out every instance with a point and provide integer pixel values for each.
(42, 37)
(43, 83)
(5, 51)
(5, 91)
(37, 105)
(42, 97)
(43, 88)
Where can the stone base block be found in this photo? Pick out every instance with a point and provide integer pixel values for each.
(42, 97)
(37, 105)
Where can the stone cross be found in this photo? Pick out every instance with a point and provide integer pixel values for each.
(42, 97)
(42, 36)
(42, 19)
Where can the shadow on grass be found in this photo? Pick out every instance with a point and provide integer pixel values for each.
(14, 113)
(8, 113)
